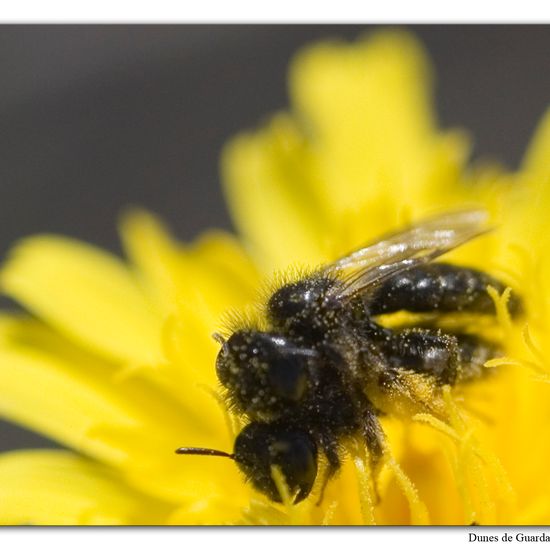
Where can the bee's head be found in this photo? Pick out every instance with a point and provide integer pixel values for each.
(264, 373)
(260, 447)
(306, 309)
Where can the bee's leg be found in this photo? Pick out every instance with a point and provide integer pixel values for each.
(373, 434)
(375, 441)
(438, 287)
(450, 358)
(330, 449)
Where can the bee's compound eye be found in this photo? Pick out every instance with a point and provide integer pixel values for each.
(261, 446)
(287, 376)
(263, 372)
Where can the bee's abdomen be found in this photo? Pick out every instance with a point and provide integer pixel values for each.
(438, 287)
(449, 358)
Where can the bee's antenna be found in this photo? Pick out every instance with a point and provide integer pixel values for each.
(202, 451)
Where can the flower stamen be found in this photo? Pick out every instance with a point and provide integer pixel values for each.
(367, 493)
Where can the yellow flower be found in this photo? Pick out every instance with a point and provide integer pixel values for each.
(116, 360)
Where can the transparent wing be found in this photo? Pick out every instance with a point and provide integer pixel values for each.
(397, 252)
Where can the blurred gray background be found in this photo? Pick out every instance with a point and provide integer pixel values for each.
(93, 118)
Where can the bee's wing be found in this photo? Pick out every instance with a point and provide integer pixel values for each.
(397, 252)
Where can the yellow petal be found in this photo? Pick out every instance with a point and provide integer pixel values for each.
(56, 389)
(60, 488)
(85, 293)
(368, 108)
(214, 271)
(208, 510)
(196, 286)
(525, 204)
(361, 156)
(214, 279)
(149, 246)
(537, 158)
(270, 189)
(222, 273)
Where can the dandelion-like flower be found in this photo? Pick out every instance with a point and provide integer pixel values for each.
(115, 359)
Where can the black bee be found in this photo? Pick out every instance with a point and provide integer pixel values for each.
(326, 369)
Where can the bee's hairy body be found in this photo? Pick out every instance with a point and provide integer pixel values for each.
(326, 368)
